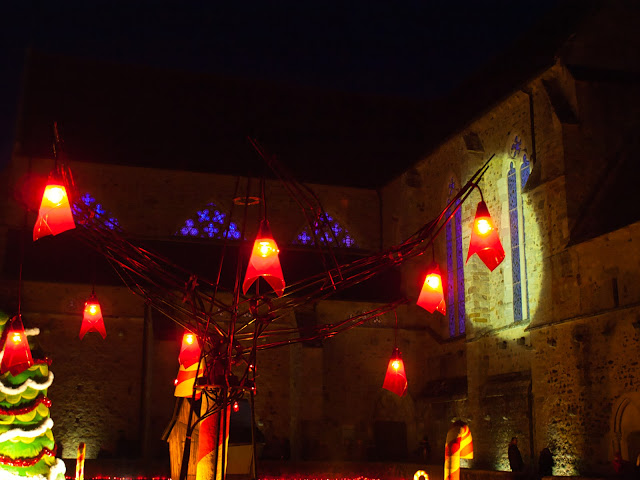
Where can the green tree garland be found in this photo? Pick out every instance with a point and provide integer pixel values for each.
(27, 447)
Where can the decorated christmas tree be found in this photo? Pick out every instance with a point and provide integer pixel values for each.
(27, 447)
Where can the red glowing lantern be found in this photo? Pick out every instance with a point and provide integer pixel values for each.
(55, 214)
(432, 297)
(264, 261)
(395, 380)
(236, 406)
(484, 239)
(189, 350)
(92, 319)
(17, 354)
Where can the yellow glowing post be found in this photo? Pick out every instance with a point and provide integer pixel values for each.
(82, 449)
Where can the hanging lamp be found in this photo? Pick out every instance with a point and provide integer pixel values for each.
(395, 380)
(189, 359)
(189, 350)
(17, 354)
(431, 296)
(92, 319)
(55, 215)
(485, 241)
(264, 261)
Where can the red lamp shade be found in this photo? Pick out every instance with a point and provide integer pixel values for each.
(484, 239)
(92, 319)
(189, 350)
(432, 297)
(264, 261)
(189, 359)
(17, 354)
(395, 380)
(55, 214)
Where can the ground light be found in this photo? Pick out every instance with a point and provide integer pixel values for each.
(485, 241)
(459, 444)
(17, 354)
(92, 319)
(264, 261)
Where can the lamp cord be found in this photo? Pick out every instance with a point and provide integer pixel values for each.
(395, 337)
(475, 185)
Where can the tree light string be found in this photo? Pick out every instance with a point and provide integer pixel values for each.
(56, 470)
(21, 410)
(27, 462)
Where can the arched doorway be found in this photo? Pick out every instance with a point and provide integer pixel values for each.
(626, 427)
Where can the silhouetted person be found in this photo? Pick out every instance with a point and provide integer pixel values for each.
(545, 463)
(425, 449)
(515, 459)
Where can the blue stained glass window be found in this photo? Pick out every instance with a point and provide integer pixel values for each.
(98, 210)
(460, 272)
(451, 312)
(515, 243)
(455, 291)
(525, 170)
(328, 232)
(209, 223)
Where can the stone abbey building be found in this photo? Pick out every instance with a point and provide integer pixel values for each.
(544, 348)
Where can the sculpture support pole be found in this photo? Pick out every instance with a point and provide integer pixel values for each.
(213, 442)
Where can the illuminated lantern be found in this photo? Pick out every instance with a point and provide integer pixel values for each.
(17, 354)
(484, 239)
(82, 450)
(55, 215)
(458, 444)
(189, 359)
(92, 319)
(264, 261)
(236, 406)
(189, 350)
(431, 297)
(395, 380)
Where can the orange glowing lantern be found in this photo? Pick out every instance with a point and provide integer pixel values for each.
(92, 319)
(17, 354)
(432, 297)
(189, 359)
(484, 239)
(189, 350)
(264, 261)
(55, 214)
(395, 380)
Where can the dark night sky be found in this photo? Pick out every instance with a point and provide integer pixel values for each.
(408, 48)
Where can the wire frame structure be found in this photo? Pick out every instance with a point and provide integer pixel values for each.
(232, 328)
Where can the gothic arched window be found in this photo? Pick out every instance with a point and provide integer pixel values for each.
(209, 222)
(328, 232)
(456, 309)
(515, 185)
(98, 211)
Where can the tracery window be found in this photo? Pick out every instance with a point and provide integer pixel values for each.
(515, 185)
(209, 222)
(328, 232)
(99, 211)
(455, 299)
